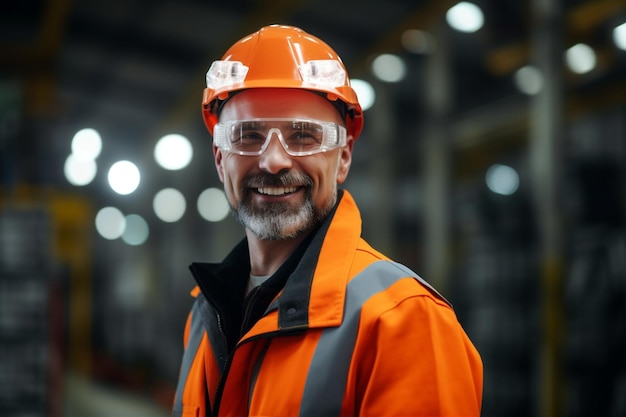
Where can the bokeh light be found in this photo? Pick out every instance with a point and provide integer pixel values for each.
(580, 58)
(465, 17)
(502, 179)
(213, 205)
(364, 92)
(529, 80)
(173, 152)
(169, 205)
(79, 171)
(87, 144)
(619, 36)
(389, 68)
(124, 177)
(136, 231)
(418, 41)
(110, 223)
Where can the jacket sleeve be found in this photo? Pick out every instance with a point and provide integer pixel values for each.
(190, 398)
(420, 362)
(187, 331)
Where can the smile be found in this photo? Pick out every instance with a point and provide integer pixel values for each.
(276, 190)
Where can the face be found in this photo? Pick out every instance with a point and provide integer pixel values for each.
(274, 195)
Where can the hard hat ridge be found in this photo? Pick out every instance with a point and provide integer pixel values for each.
(278, 56)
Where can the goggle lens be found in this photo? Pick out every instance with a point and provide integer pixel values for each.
(298, 137)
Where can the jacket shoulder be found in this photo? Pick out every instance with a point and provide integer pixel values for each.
(378, 267)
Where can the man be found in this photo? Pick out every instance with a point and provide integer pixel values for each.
(303, 317)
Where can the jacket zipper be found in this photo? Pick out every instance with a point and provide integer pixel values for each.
(224, 376)
(222, 379)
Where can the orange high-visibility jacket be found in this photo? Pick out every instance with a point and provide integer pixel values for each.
(351, 333)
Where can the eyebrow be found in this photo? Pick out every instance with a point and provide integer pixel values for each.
(255, 124)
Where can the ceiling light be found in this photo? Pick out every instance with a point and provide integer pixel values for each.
(124, 177)
(465, 17)
(136, 231)
(580, 58)
(110, 223)
(173, 152)
(619, 36)
(502, 179)
(79, 171)
(389, 68)
(87, 144)
(169, 205)
(529, 80)
(364, 92)
(213, 205)
(418, 41)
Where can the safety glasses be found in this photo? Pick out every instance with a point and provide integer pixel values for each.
(299, 137)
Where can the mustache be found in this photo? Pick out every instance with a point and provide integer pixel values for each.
(286, 179)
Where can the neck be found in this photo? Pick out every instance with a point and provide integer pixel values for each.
(266, 256)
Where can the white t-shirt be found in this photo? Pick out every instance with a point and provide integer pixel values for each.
(255, 281)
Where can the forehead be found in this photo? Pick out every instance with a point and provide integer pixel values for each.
(279, 103)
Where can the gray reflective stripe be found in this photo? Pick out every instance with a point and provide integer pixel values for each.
(326, 381)
(422, 281)
(255, 371)
(195, 336)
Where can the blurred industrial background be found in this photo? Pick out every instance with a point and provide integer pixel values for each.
(492, 163)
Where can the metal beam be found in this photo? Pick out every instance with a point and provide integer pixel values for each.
(546, 136)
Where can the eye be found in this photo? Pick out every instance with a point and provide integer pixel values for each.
(306, 132)
(252, 135)
(248, 136)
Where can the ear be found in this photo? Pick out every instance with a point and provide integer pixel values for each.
(218, 157)
(345, 159)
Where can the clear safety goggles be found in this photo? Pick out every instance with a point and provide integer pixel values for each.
(299, 137)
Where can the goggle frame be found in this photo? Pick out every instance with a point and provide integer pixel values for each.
(333, 135)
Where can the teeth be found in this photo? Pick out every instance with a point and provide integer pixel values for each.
(276, 190)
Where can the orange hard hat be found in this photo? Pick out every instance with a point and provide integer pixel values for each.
(279, 56)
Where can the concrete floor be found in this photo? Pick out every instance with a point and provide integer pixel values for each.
(86, 398)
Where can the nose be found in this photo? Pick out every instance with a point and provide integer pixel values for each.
(274, 159)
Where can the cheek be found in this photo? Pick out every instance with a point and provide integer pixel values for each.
(231, 189)
(229, 175)
(335, 170)
(328, 174)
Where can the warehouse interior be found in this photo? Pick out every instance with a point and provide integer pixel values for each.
(492, 163)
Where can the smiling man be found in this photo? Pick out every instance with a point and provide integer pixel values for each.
(281, 188)
(303, 317)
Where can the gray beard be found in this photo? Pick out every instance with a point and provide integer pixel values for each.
(280, 221)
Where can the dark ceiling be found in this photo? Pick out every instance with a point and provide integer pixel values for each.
(134, 69)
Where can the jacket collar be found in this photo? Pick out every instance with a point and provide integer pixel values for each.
(314, 295)
(332, 273)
